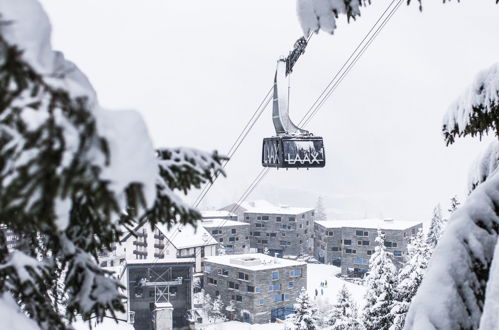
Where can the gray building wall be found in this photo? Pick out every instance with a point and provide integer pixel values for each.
(235, 239)
(257, 305)
(284, 234)
(345, 246)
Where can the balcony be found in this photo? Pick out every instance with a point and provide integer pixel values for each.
(159, 245)
(140, 243)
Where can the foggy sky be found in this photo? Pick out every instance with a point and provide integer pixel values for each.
(196, 70)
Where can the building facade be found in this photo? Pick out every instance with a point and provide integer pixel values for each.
(258, 287)
(285, 231)
(233, 236)
(349, 244)
(151, 284)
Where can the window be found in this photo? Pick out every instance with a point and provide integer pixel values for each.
(347, 242)
(243, 276)
(306, 231)
(365, 243)
(233, 285)
(225, 272)
(207, 268)
(275, 275)
(286, 296)
(276, 287)
(258, 225)
(359, 233)
(394, 244)
(232, 239)
(329, 233)
(278, 297)
(215, 232)
(273, 234)
(239, 298)
(283, 227)
(233, 231)
(265, 217)
(361, 261)
(261, 302)
(369, 252)
(256, 233)
(350, 251)
(283, 243)
(250, 288)
(359, 242)
(264, 241)
(212, 281)
(278, 219)
(291, 285)
(291, 219)
(221, 240)
(257, 290)
(413, 231)
(334, 248)
(247, 218)
(397, 253)
(388, 244)
(258, 218)
(295, 272)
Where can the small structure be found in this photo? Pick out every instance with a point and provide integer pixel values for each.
(233, 236)
(258, 288)
(158, 292)
(349, 244)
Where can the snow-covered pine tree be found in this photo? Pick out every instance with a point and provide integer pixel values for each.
(320, 213)
(410, 278)
(464, 269)
(306, 315)
(436, 227)
(454, 204)
(344, 314)
(380, 288)
(266, 251)
(72, 175)
(217, 313)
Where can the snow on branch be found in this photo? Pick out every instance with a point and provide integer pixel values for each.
(476, 111)
(460, 266)
(484, 166)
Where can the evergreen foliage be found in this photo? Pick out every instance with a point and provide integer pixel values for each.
(436, 227)
(410, 278)
(320, 213)
(306, 314)
(344, 314)
(54, 194)
(380, 288)
(454, 204)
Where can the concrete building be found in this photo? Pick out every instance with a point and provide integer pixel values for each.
(162, 243)
(350, 243)
(154, 288)
(260, 288)
(232, 235)
(284, 230)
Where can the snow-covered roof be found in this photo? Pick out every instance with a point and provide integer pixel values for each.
(253, 261)
(186, 236)
(217, 214)
(262, 206)
(212, 223)
(160, 261)
(369, 223)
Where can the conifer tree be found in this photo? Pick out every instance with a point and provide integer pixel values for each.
(380, 288)
(344, 314)
(410, 278)
(436, 227)
(217, 312)
(306, 314)
(320, 213)
(73, 175)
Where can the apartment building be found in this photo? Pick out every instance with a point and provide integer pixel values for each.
(350, 243)
(233, 236)
(284, 230)
(218, 214)
(258, 287)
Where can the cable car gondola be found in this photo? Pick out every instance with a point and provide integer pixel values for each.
(292, 147)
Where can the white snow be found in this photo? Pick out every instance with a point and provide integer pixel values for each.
(241, 326)
(253, 261)
(217, 223)
(217, 214)
(319, 14)
(484, 166)
(107, 324)
(317, 273)
(484, 91)
(369, 223)
(183, 237)
(12, 317)
(261, 206)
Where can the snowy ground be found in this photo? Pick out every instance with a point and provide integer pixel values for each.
(107, 324)
(317, 273)
(241, 326)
